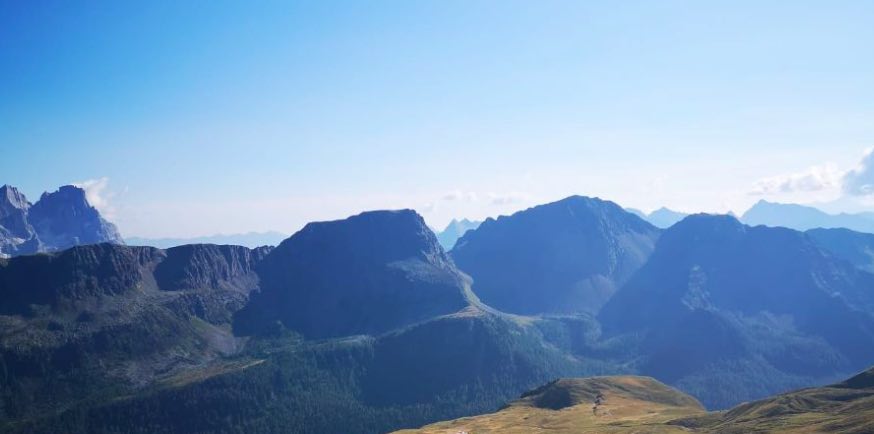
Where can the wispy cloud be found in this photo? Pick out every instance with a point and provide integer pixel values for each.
(508, 198)
(428, 207)
(99, 195)
(458, 195)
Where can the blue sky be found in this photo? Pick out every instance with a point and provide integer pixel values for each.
(193, 118)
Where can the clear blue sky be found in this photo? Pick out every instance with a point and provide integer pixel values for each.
(216, 116)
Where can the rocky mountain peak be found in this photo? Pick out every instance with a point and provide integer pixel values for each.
(707, 228)
(567, 256)
(13, 217)
(64, 218)
(11, 198)
(455, 230)
(369, 273)
(373, 236)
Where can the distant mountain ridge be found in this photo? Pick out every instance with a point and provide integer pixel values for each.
(59, 220)
(248, 239)
(661, 218)
(788, 215)
(455, 230)
(802, 217)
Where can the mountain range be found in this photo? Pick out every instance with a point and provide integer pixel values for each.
(57, 221)
(788, 215)
(367, 324)
(802, 217)
(248, 239)
(358, 325)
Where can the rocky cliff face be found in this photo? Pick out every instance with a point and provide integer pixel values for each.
(16, 233)
(58, 221)
(13, 212)
(198, 266)
(72, 322)
(64, 219)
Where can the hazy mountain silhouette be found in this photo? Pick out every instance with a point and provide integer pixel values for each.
(665, 218)
(248, 239)
(453, 231)
(661, 218)
(802, 217)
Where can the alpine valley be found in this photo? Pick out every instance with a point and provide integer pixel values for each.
(572, 316)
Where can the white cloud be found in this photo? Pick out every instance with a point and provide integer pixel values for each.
(815, 179)
(98, 195)
(428, 207)
(860, 181)
(459, 195)
(508, 198)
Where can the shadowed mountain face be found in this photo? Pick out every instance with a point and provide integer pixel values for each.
(72, 276)
(855, 247)
(802, 218)
(207, 266)
(715, 290)
(716, 263)
(366, 274)
(563, 257)
(59, 220)
(94, 276)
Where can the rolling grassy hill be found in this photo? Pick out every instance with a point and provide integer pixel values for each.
(584, 405)
(628, 404)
